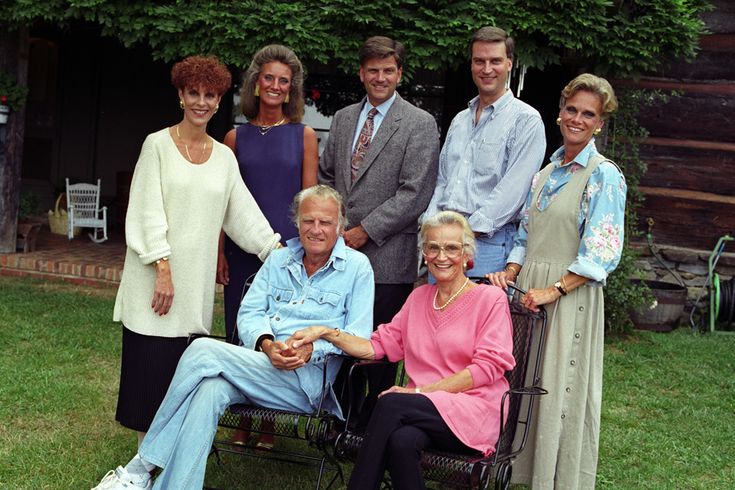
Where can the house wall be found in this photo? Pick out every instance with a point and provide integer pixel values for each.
(688, 189)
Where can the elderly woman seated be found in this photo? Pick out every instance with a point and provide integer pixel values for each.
(456, 341)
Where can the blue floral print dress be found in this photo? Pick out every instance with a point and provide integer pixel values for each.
(573, 221)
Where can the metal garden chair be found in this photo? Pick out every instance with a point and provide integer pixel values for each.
(475, 472)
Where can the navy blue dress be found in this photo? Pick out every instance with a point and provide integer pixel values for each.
(270, 165)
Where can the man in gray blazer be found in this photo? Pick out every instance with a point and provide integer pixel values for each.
(382, 155)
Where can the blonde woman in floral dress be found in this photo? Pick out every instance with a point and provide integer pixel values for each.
(570, 239)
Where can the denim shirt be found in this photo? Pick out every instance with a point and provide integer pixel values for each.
(485, 169)
(601, 214)
(283, 299)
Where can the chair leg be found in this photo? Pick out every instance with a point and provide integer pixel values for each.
(94, 236)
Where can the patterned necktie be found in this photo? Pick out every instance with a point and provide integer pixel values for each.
(363, 142)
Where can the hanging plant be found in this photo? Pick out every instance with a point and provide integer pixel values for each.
(11, 94)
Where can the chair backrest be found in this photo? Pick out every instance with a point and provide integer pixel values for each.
(528, 336)
(84, 198)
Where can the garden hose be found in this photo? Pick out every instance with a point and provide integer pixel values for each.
(711, 283)
(725, 300)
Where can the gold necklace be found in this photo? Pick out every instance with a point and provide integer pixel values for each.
(265, 128)
(451, 298)
(186, 147)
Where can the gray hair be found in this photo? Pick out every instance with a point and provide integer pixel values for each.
(449, 218)
(320, 191)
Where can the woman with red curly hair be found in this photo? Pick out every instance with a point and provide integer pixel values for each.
(185, 189)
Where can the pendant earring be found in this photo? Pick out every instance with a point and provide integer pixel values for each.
(558, 121)
(181, 103)
(257, 91)
(216, 109)
(288, 97)
(598, 131)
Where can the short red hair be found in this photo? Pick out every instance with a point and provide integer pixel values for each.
(197, 71)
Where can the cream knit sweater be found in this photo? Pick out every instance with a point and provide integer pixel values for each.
(177, 210)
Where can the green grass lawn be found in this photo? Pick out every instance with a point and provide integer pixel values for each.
(668, 416)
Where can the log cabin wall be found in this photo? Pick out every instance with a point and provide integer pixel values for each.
(689, 188)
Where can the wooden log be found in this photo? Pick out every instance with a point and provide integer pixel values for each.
(708, 87)
(688, 168)
(708, 65)
(693, 116)
(721, 19)
(687, 218)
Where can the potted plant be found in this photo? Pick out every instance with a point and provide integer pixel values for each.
(28, 222)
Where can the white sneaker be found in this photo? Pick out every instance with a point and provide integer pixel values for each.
(119, 479)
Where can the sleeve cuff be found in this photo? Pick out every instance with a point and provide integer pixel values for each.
(517, 255)
(481, 224)
(269, 248)
(592, 271)
(377, 349)
(158, 253)
(479, 378)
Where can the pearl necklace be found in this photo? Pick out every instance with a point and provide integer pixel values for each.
(264, 129)
(451, 298)
(186, 147)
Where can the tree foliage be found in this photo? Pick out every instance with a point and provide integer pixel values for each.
(623, 37)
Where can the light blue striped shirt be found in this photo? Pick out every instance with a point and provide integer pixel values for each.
(485, 170)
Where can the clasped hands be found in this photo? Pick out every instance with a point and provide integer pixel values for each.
(284, 355)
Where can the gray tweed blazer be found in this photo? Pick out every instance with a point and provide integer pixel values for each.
(393, 187)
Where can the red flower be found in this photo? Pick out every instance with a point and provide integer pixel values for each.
(3, 100)
(315, 94)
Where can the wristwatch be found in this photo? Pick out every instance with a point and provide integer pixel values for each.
(559, 287)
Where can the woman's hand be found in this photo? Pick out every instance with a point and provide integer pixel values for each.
(163, 292)
(307, 335)
(223, 270)
(537, 297)
(398, 389)
(502, 278)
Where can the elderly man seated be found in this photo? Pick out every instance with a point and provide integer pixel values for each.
(314, 280)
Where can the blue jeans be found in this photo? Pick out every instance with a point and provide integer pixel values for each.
(491, 253)
(211, 376)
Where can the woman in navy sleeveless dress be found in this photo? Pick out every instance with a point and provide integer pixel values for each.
(277, 155)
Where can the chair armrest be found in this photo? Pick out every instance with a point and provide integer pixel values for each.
(520, 418)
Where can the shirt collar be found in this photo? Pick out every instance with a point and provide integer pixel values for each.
(498, 105)
(336, 259)
(382, 108)
(582, 157)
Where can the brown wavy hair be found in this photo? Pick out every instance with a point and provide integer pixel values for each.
(294, 108)
(206, 71)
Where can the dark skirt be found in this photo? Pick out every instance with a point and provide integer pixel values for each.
(147, 366)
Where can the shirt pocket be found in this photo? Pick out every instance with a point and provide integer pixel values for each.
(322, 304)
(279, 296)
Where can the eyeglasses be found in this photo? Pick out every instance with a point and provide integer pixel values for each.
(451, 249)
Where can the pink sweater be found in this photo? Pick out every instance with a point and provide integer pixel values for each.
(474, 332)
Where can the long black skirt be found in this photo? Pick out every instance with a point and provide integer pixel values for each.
(147, 366)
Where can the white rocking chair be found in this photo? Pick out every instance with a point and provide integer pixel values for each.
(83, 208)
